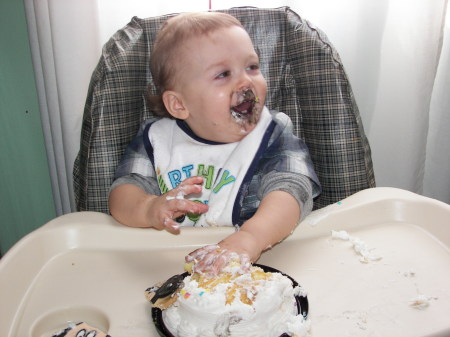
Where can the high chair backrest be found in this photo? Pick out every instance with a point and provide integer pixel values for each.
(305, 77)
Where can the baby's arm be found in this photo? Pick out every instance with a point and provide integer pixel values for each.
(275, 219)
(132, 206)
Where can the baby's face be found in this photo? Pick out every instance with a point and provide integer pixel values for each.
(221, 85)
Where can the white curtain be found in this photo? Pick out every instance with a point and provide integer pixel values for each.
(396, 54)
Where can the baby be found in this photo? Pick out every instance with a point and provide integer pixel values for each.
(217, 156)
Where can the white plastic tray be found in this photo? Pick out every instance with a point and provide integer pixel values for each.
(86, 267)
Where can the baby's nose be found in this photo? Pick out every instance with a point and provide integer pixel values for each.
(244, 82)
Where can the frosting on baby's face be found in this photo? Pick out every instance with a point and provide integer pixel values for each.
(246, 108)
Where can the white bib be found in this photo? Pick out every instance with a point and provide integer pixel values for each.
(178, 156)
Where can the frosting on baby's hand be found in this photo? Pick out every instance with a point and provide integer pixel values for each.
(213, 259)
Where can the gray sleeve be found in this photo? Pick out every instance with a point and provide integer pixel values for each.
(297, 185)
(149, 185)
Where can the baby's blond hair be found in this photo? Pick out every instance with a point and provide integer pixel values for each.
(167, 49)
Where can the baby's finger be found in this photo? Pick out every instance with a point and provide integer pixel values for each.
(200, 253)
(177, 209)
(218, 264)
(188, 186)
(171, 226)
(196, 180)
(206, 264)
(181, 207)
(245, 262)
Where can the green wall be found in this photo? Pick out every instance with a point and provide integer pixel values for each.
(26, 200)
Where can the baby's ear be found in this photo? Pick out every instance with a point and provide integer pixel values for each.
(174, 104)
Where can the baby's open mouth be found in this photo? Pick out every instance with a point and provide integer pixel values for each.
(246, 107)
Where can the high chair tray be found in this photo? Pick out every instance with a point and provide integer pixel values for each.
(87, 267)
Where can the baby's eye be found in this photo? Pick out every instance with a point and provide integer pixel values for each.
(223, 74)
(253, 67)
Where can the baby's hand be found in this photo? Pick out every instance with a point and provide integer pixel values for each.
(212, 259)
(166, 208)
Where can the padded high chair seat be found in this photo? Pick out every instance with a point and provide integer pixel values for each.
(305, 77)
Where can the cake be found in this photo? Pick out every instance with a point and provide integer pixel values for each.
(234, 303)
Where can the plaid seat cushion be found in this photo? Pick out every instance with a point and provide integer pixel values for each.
(305, 77)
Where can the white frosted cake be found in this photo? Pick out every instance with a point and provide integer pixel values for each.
(254, 303)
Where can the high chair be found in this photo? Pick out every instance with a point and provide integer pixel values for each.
(306, 80)
(394, 244)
